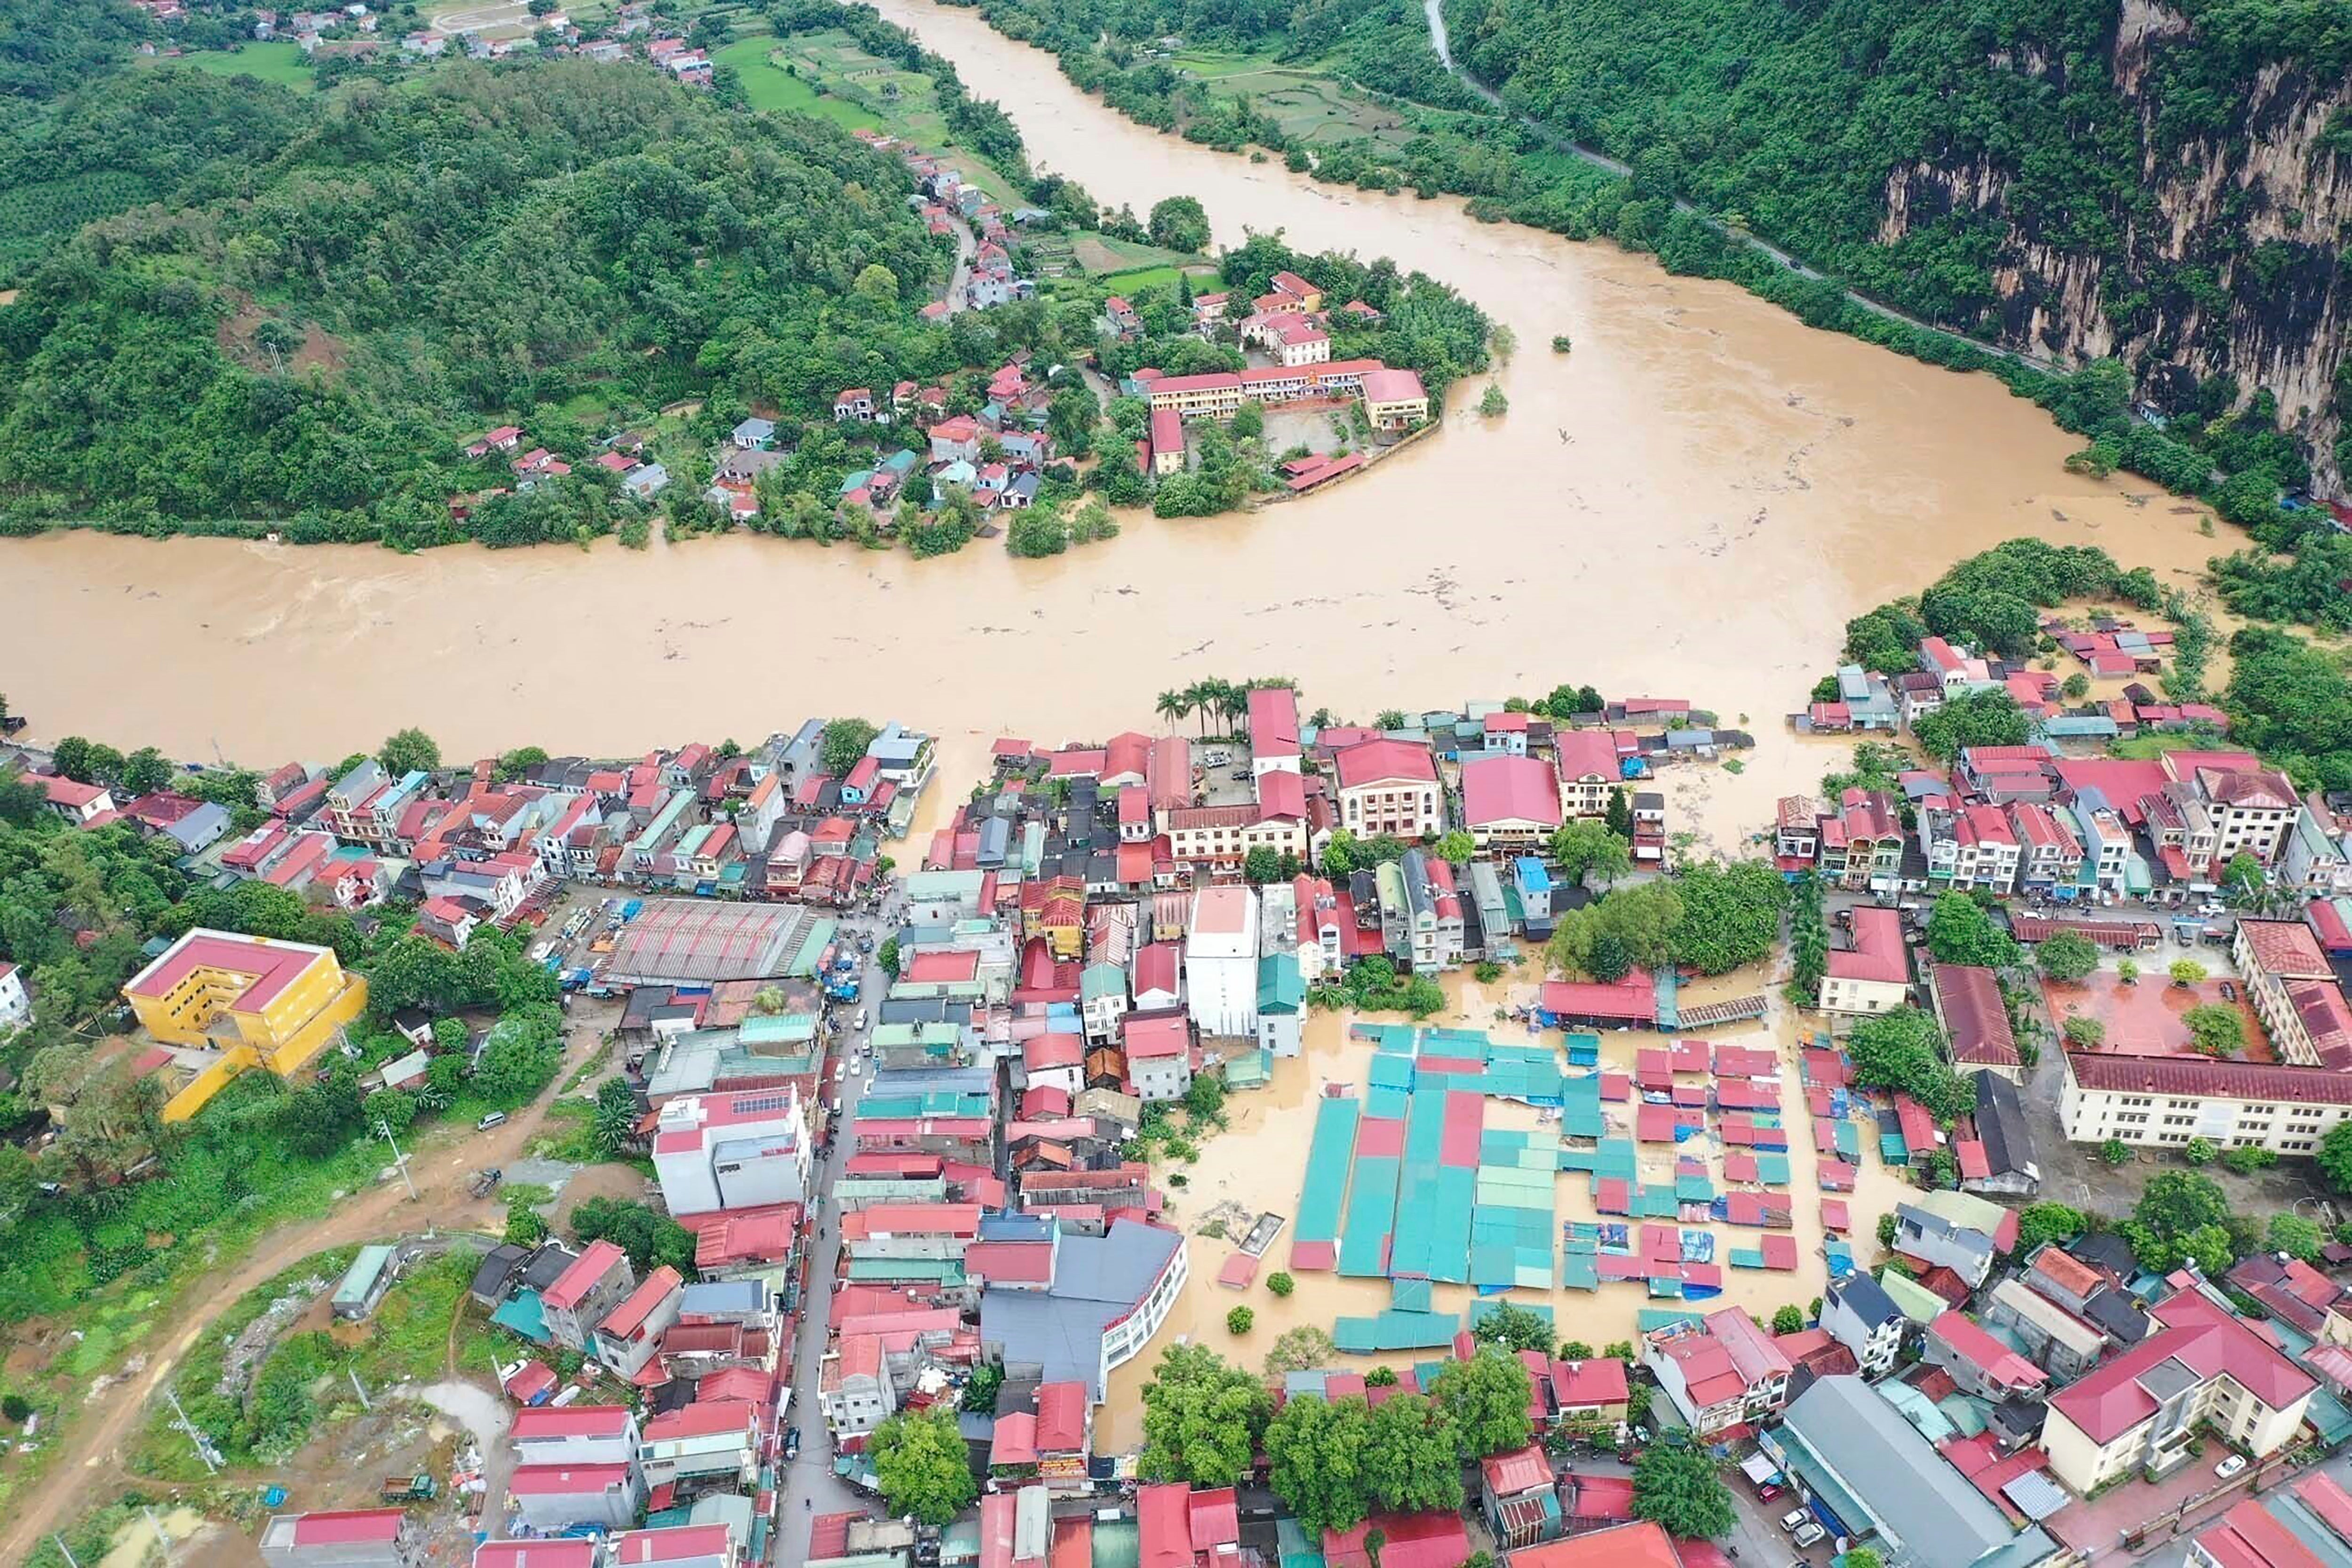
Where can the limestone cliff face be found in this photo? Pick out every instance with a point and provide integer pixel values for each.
(2236, 264)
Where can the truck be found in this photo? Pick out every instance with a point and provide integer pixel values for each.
(418, 1488)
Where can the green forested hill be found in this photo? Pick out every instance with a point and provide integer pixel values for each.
(2170, 183)
(328, 293)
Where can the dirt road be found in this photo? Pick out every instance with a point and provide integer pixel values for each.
(102, 1429)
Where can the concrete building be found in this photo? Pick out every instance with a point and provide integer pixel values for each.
(1158, 1054)
(1221, 952)
(354, 1538)
(1720, 1372)
(2143, 1410)
(1389, 788)
(1870, 1477)
(1871, 974)
(2165, 1101)
(1281, 1003)
(1860, 1316)
(744, 1149)
(589, 1287)
(559, 1497)
(627, 1337)
(15, 1002)
(1108, 1298)
(242, 1002)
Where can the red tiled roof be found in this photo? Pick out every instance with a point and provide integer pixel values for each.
(572, 1420)
(2207, 1339)
(1878, 952)
(348, 1526)
(1509, 788)
(1969, 1000)
(572, 1286)
(1520, 1470)
(1987, 1354)
(2197, 1076)
(1376, 762)
(1645, 1544)
(2286, 948)
(1634, 998)
(630, 1316)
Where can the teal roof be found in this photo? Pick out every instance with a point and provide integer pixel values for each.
(777, 1029)
(1102, 980)
(359, 1279)
(1280, 986)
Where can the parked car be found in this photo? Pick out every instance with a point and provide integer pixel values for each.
(791, 1445)
(2233, 1465)
(1795, 1516)
(1812, 1535)
(495, 1118)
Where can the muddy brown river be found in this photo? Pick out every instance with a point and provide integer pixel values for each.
(1690, 504)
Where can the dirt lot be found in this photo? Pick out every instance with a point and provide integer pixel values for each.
(1319, 430)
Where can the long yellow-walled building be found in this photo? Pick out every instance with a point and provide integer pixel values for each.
(259, 1002)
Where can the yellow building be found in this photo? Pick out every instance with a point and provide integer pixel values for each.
(253, 1000)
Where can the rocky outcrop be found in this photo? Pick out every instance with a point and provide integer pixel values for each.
(2236, 265)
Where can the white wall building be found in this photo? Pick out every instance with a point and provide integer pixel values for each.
(739, 1150)
(1221, 960)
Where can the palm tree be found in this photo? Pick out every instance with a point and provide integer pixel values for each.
(1172, 706)
(1198, 696)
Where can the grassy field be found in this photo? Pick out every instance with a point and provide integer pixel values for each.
(278, 61)
(831, 76)
(1313, 106)
(770, 87)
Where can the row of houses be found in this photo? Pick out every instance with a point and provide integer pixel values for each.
(1866, 702)
(2025, 819)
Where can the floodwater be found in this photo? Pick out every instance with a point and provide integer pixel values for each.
(1257, 1162)
(1691, 503)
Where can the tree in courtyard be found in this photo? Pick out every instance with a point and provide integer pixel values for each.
(1587, 849)
(1201, 1418)
(408, 751)
(2038, 1223)
(1675, 1485)
(844, 742)
(616, 1121)
(2334, 1156)
(2083, 1031)
(1789, 1321)
(2295, 1235)
(1456, 848)
(1240, 1320)
(1298, 1349)
(1486, 1395)
(2127, 970)
(2186, 972)
(1413, 1456)
(1904, 1050)
(1249, 421)
(1959, 931)
(1987, 718)
(1315, 1453)
(1619, 819)
(1863, 1557)
(921, 1466)
(2181, 1216)
(979, 1390)
(2215, 1029)
(1513, 1327)
(1732, 915)
(1262, 864)
(2243, 881)
(650, 1238)
(2114, 1152)
(2067, 956)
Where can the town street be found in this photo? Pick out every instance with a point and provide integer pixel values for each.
(810, 1485)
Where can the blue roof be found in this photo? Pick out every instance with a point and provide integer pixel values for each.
(1529, 873)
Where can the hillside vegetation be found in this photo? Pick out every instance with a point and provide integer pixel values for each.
(330, 294)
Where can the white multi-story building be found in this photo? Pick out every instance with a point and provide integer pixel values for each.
(2164, 1101)
(15, 1002)
(1221, 949)
(1971, 848)
(1389, 788)
(736, 1149)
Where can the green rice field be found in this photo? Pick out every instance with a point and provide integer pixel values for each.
(279, 60)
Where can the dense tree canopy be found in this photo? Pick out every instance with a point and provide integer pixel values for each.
(468, 246)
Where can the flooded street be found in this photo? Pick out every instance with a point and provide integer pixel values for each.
(1691, 503)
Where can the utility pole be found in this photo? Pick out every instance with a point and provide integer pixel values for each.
(353, 1373)
(65, 1549)
(163, 1536)
(399, 1160)
(195, 1434)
